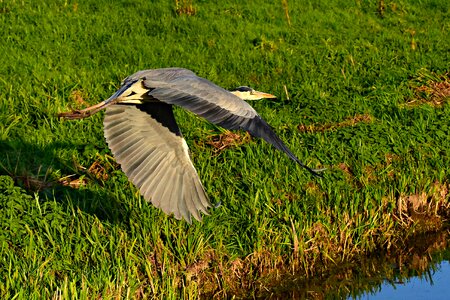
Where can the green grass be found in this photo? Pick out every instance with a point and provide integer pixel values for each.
(337, 59)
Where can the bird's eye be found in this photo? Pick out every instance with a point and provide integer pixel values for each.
(244, 89)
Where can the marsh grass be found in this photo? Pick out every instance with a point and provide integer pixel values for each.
(74, 227)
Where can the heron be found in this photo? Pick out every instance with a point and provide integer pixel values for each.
(144, 138)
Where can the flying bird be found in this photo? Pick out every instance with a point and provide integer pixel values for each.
(142, 133)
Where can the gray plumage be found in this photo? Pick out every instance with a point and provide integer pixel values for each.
(144, 137)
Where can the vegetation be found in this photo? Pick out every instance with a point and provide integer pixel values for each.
(363, 90)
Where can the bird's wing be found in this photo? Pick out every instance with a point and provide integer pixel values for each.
(147, 143)
(217, 105)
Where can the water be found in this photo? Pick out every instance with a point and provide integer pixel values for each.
(433, 285)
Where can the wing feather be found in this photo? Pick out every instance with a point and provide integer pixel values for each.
(147, 143)
(176, 195)
(182, 208)
(138, 175)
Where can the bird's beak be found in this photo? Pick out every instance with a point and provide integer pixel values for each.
(263, 95)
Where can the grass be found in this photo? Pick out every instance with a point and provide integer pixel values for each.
(368, 99)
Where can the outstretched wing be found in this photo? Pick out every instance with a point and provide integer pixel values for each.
(215, 104)
(148, 144)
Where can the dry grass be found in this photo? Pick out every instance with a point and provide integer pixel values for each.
(184, 7)
(434, 92)
(78, 97)
(228, 139)
(286, 11)
(349, 121)
(427, 211)
(73, 181)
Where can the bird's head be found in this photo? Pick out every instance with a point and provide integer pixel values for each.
(247, 93)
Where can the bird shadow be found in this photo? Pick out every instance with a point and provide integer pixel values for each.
(36, 169)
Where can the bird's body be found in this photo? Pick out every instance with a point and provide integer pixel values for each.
(142, 133)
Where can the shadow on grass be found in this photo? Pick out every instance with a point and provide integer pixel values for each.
(39, 169)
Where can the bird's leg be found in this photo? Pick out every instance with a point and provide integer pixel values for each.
(87, 112)
(133, 90)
